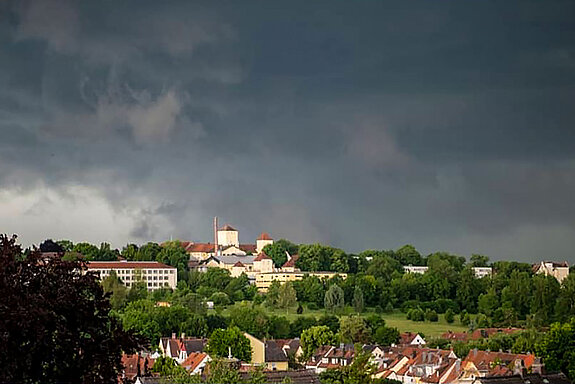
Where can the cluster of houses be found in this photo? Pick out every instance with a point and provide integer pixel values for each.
(408, 362)
(249, 259)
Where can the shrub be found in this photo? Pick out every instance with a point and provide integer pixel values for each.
(431, 315)
(416, 314)
(449, 317)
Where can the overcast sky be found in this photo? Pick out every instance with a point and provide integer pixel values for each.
(359, 124)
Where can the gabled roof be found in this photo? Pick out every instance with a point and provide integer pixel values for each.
(273, 352)
(262, 256)
(291, 262)
(131, 362)
(248, 248)
(483, 359)
(194, 359)
(407, 337)
(200, 247)
(264, 236)
(239, 264)
(227, 227)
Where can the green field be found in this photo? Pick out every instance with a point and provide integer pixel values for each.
(396, 319)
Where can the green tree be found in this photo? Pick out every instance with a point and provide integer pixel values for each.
(431, 315)
(277, 251)
(89, 251)
(408, 255)
(479, 260)
(358, 299)
(252, 320)
(546, 290)
(130, 252)
(66, 245)
(47, 303)
(449, 316)
(148, 252)
(382, 265)
(354, 329)
(288, 296)
(310, 290)
(488, 302)
(174, 254)
(221, 371)
(314, 337)
(334, 299)
(118, 291)
(558, 348)
(361, 370)
(386, 335)
(314, 257)
(273, 294)
(565, 306)
(221, 340)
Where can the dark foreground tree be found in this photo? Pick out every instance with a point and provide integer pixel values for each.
(55, 325)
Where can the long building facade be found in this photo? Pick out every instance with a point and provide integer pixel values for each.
(156, 275)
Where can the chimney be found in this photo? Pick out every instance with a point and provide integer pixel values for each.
(474, 352)
(173, 335)
(341, 346)
(183, 335)
(215, 235)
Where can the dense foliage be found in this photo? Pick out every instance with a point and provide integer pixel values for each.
(55, 325)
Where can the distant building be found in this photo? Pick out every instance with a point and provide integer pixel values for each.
(481, 272)
(228, 245)
(550, 268)
(415, 269)
(263, 240)
(155, 275)
(264, 280)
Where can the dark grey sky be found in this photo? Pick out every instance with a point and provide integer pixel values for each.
(360, 124)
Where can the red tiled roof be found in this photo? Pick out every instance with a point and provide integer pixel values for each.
(200, 247)
(126, 265)
(194, 359)
(407, 337)
(458, 336)
(131, 362)
(262, 256)
(248, 248)
(291, 262)
(227, 227)
(264, 236)
(485, 358)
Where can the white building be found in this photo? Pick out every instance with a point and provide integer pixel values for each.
(415, 269)
(550, 268)
(155, 275)
(228, 236)
(482, 271)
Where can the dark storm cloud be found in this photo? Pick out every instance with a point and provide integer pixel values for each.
(364, 125)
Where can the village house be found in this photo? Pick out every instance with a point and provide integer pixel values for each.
(196, 362)
(410, 339)
(550, 268)
(485, 363)
(180, 348)
(136, 365)
(268, 354)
